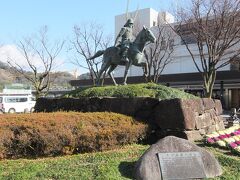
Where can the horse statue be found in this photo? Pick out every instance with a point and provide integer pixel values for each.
(112, 58)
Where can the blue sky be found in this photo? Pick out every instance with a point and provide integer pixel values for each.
(20, 18)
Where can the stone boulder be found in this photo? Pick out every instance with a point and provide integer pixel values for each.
(148, 168)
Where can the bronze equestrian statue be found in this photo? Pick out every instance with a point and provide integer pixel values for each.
(112, 56)
(124, 39)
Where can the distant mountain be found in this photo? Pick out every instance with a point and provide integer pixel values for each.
(88, 76)
(84, 76)
(61, 79)
(4, 65)
(7, 76)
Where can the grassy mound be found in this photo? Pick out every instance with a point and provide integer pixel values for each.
(133, 90)
(50, 134)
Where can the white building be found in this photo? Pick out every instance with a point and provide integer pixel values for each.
(182, 63)
(145, 17)
(148, 17)
(181, 72)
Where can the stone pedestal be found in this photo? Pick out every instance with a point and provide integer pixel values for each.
(186, 118)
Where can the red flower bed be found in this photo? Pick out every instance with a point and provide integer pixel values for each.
(228, 138)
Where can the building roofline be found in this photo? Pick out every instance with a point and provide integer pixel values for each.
(150, 8)
(228, 77)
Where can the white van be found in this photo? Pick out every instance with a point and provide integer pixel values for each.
(16, 103)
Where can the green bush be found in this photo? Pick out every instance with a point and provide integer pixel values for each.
(49, 134)
(133, 90)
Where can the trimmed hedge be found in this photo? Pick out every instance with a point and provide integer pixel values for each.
(132, 90)
(50, 134)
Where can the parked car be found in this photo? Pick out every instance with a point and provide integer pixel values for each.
(16, 103)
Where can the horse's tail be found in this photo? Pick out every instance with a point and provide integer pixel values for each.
(98, 53)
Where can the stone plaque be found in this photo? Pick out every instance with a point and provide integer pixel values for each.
(181, 165)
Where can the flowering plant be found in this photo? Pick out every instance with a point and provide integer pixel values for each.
(229, 138)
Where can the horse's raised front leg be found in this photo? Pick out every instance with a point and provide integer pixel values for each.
(128, 64)
(112, 67)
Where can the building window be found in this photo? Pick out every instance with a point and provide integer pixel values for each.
(235, 65)
(171, 44)
(189, 39)
(154, 23)
(163, 44)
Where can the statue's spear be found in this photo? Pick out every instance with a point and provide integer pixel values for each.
(127, 10)
(127, 14)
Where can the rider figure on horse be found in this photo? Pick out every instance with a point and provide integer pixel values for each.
(124, 39)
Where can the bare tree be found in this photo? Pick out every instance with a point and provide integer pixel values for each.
(214, 27)
(88, 39)
(37, 48)
(159, 54)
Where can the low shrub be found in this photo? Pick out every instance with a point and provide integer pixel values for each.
(132, 90)
(50, 134)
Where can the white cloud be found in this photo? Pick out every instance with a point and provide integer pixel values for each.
(12, 53)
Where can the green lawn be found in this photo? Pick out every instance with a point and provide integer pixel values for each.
(115, 164)
(230, 163)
